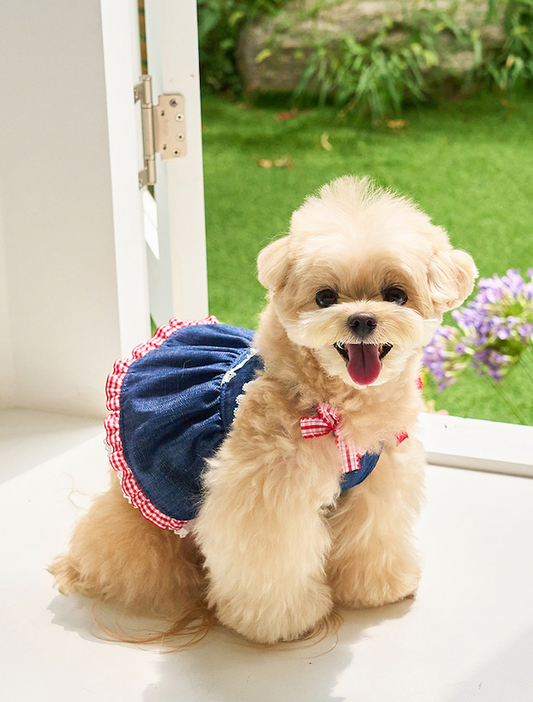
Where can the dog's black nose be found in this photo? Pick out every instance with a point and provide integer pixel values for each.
(362, 324)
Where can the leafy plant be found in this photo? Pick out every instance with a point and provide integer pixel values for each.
(410, 60)
(219, 26)
(512, 65)
(404, 61)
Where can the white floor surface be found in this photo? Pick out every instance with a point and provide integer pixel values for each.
(468, 635)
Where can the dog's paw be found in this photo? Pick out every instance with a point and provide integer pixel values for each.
(66, 575)
(375, 589)
(280, 619)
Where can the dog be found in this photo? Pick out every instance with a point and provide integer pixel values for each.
(310, 498)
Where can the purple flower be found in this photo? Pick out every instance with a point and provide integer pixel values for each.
(514, 281)
(493, 330)
(525, 331)
(503, 333)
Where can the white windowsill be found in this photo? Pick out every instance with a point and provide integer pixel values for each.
(477, 444)
(467, 635)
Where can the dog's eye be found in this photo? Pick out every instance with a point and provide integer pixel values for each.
(326, 298)
(396, 295)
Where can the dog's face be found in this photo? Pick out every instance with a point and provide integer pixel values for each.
(363, 280)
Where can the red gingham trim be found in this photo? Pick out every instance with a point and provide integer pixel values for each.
(328, 421)
(130, 488)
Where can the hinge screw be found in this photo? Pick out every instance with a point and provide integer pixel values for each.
(173, 102)
(179, 117)
(176, 152)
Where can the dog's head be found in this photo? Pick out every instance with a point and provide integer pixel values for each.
(363, 279)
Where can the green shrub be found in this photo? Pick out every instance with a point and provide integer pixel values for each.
(415, 59)
(513, 65)
(219, 26)
(404, 62)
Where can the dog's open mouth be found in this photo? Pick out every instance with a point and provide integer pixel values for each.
(363, 361)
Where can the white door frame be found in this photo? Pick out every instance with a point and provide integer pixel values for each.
(178, 279)
(122, 63)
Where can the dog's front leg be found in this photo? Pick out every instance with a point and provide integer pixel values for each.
(264, 537)
(373, 560)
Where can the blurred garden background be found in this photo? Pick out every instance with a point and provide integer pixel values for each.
(432, 99)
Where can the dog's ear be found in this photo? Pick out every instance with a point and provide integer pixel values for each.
(451, 275)
(273, 264)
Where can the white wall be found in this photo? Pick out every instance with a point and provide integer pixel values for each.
(6, 359)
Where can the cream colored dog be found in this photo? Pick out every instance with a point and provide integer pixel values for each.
(355, 291)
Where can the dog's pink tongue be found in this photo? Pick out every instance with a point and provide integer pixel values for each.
(364, 365)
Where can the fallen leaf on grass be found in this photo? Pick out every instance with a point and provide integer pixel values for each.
(396, 123)
(284, 116)
(282, 162)
(324, 140)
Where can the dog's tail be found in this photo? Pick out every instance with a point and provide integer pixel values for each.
(195, 622)
(193, 625)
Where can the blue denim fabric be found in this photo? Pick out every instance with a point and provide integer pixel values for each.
(178, 403)
(368, 462)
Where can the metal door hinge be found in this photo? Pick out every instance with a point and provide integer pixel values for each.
(163, 127)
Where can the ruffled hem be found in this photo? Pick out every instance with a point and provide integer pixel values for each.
(113, 388)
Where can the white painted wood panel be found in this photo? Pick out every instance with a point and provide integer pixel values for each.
(74, 297)
(181, 270)
(122, 61)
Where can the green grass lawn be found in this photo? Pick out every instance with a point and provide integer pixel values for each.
(468, 165)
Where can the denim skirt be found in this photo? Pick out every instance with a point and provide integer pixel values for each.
(172, 404)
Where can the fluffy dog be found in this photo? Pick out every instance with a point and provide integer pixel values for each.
(355, 291)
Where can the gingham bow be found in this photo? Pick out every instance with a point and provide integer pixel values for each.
(328, 421)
